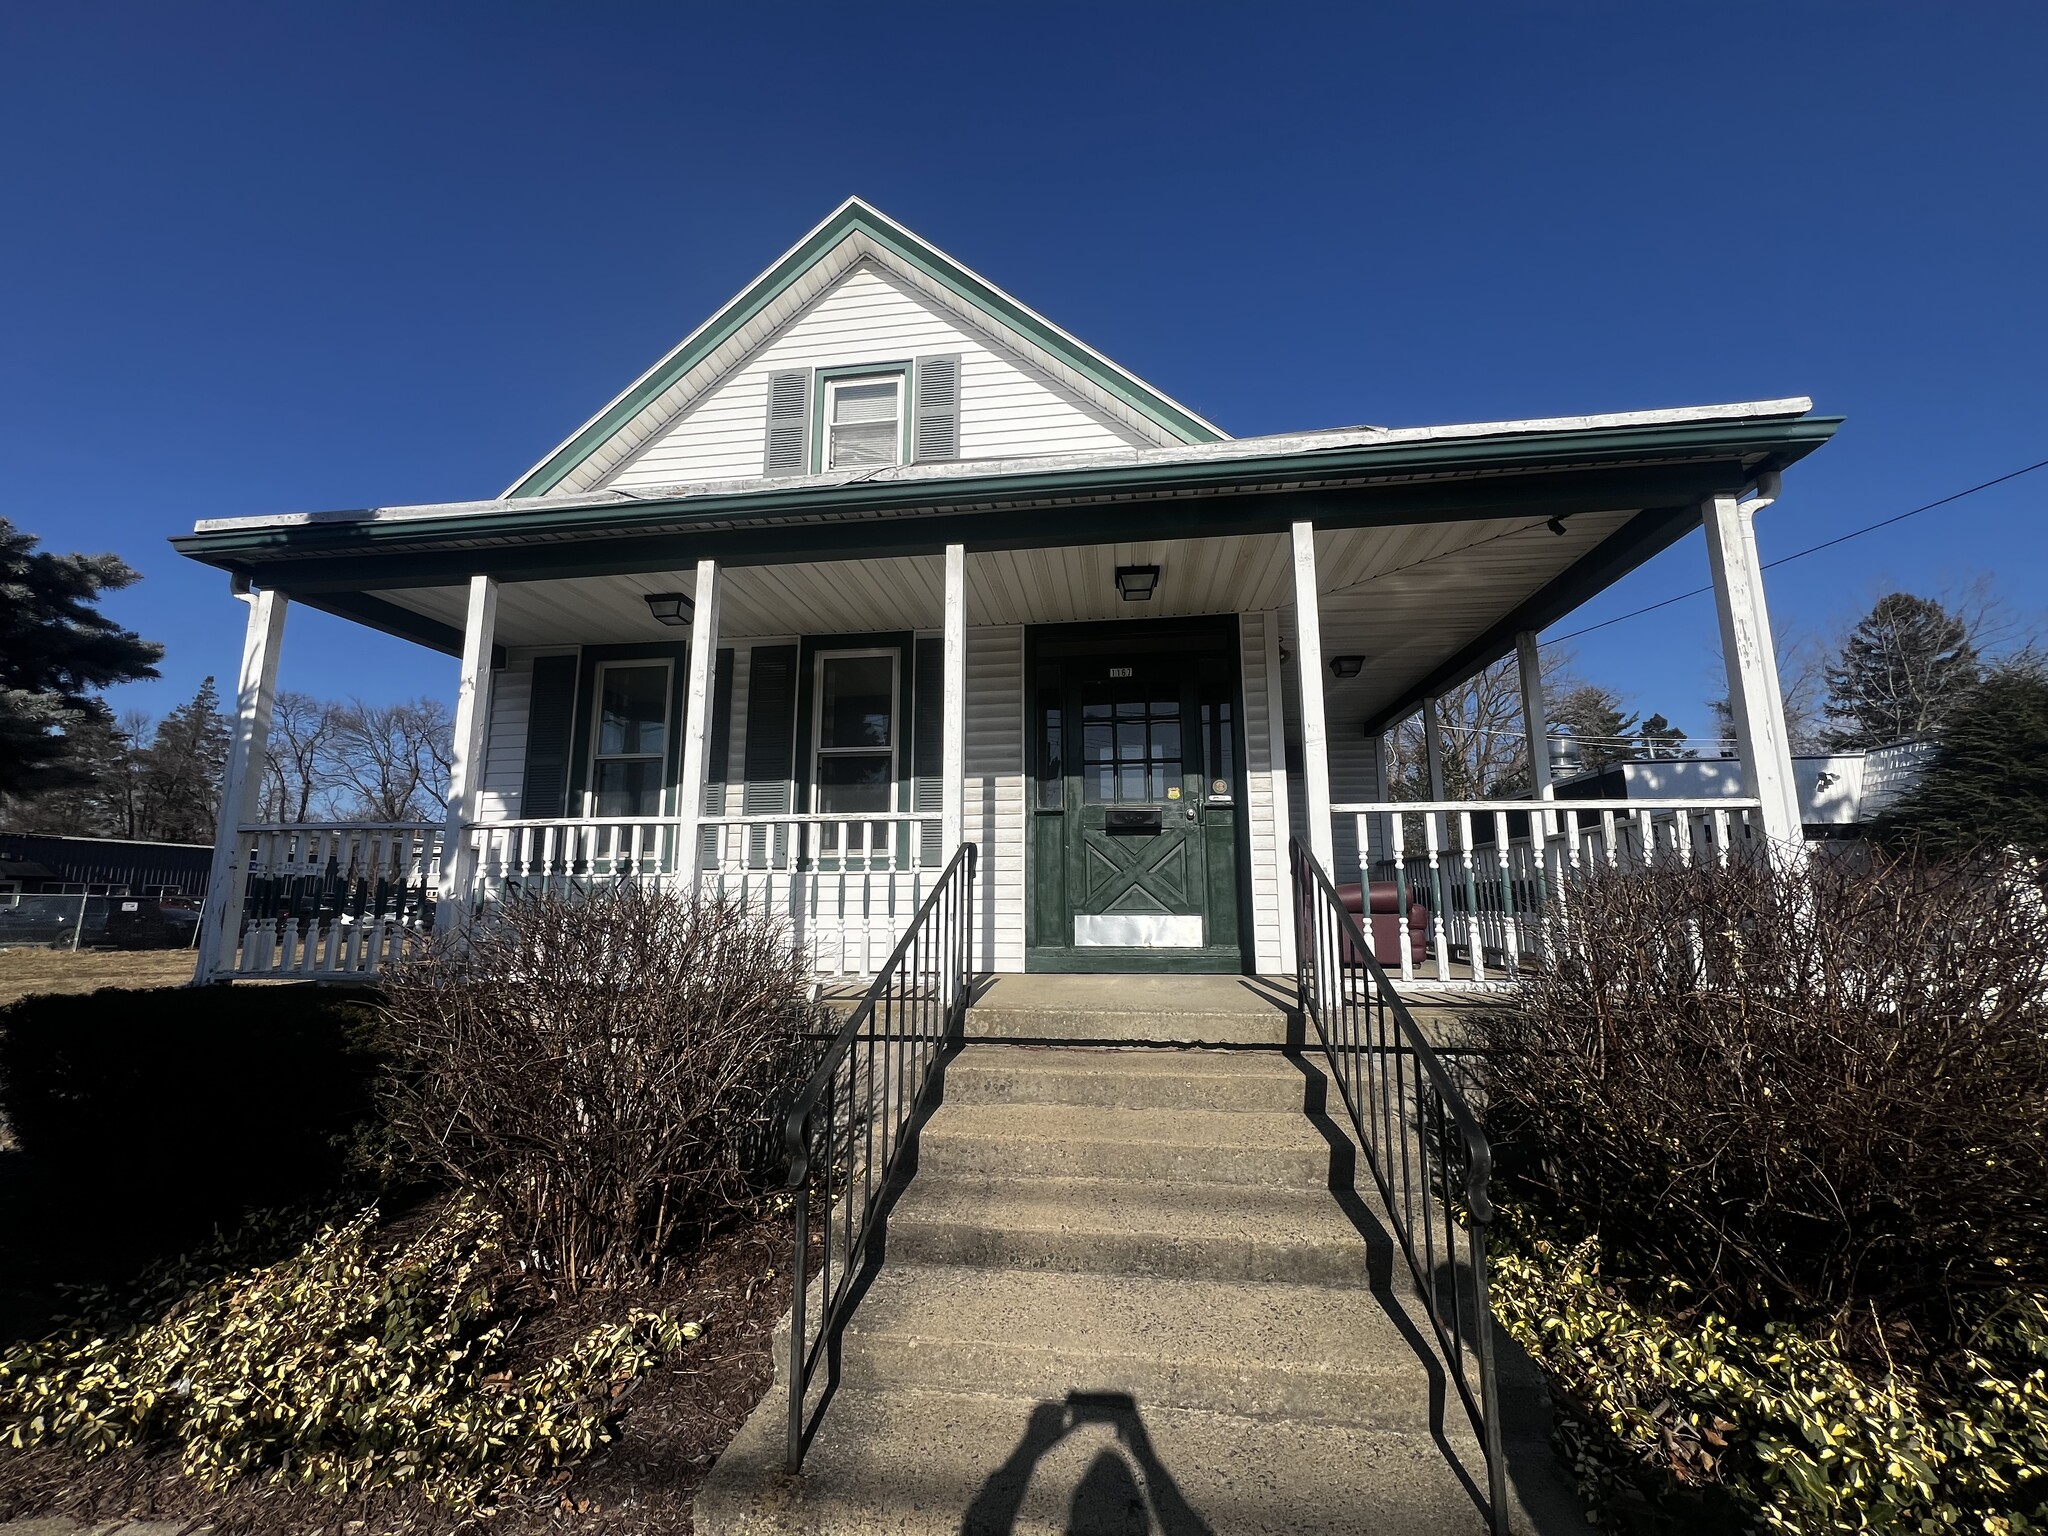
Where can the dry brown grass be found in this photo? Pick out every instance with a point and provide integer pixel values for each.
(23, 971)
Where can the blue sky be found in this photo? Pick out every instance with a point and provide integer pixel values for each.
(286, 257)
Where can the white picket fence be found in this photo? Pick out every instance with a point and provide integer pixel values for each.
(333, 900)
(1487, 870)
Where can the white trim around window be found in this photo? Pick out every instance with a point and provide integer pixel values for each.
(634, 766)
(887, 752)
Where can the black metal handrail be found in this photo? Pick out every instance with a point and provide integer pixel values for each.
(1427, 1154)
(859, 1113)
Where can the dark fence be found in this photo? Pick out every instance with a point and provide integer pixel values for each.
(1421, 1142)
(857, 1118)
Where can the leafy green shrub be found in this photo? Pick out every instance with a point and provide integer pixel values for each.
(347, 1366)
(1806, 1091)
(1672, 1409)
(606, 1070)
(202, 1102)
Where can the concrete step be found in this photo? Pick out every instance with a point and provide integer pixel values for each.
(1127, 1078)
(922, 1463)
(1131, 1228)
(1187, 1010)
(1264, 1351)
(1088, 1142)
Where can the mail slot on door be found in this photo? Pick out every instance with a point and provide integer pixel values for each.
(1134, 821)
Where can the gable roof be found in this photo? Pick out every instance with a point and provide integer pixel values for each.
(854, 232)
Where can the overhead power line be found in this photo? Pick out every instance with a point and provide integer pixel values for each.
(1802, 554)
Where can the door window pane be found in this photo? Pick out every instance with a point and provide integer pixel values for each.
(1130, 743)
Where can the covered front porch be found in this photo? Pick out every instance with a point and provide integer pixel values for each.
(1129, 704)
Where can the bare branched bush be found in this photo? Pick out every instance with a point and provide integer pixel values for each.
(1815, 1089)
(605, 1069)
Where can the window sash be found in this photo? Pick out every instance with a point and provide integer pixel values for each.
(619, 782)
(825, 783)
(863, 441)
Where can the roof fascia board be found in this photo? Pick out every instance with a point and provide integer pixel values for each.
(851, 217)
(1133, 521)
(1776, 444)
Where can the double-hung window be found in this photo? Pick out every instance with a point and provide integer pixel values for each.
(864, 421)
(855, 733)
(630, 742)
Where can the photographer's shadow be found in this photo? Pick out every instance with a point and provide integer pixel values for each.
(1126, 1490)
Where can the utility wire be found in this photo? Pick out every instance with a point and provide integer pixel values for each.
(1802, 554)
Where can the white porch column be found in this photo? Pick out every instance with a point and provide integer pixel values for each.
(1535, 719)
(1754, 700)
(241, 789)
(466, 762)
(1315, 736)
(697, 723)
(953, 751)
(1433, 748)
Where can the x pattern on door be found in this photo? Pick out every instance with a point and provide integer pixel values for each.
(1137, 874)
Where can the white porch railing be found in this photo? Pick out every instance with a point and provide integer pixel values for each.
(332, 900)
(1486, 871)
(339, 901)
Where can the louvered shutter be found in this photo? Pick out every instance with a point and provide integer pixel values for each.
(937, 437)
(550, 728)
(717, 751)
(771, 746)
(928, 747)
(789, 422)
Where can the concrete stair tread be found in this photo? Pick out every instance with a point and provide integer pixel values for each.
(1268, 1129)
(1131, 1077)
(916, 1461)
(1086, 1332)
(1190, 1061)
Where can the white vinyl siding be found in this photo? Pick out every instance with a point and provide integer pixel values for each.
(1354, 776)
(995, 791)
(869, 317)
(505, 741)
(1265, 792)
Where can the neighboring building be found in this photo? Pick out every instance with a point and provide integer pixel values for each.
(1839, 793)
(35, 865)
(878, 561)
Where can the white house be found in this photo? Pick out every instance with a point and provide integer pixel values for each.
(879, 561)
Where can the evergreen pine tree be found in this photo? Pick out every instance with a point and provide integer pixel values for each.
(1901, 669)
(1987, 785)
(56, 651)
(181, 772)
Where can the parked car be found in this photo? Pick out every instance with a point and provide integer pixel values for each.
(53, 922)
(150, 922)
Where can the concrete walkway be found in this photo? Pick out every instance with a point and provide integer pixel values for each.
(1134, 1288)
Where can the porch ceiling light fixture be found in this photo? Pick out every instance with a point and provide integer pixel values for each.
(1347, 666)
(1137, 583)
(1556, 526)
(672, 608)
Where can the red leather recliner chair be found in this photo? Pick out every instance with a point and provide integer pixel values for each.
(1386, 922)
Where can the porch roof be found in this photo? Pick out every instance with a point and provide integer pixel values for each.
(1631, 483)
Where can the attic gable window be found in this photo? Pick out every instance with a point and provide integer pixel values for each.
(864, 422)
(864, 416)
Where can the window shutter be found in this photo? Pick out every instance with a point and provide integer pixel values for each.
(550, 726)
(928, 747)
(938, 409)
(717, 752)
(789, 422)
(771, 744)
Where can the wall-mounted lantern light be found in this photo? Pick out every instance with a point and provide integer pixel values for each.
(672, 608)
(1347, 666)
(1137, 582)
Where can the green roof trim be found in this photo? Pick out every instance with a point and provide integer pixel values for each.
(854, 216)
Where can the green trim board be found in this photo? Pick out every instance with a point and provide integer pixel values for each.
(391, 619)
(1588, 470)
(856, 216)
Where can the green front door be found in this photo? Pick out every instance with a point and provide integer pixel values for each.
(1137, 795)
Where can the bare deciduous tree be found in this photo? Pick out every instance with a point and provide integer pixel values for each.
(390, 761)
